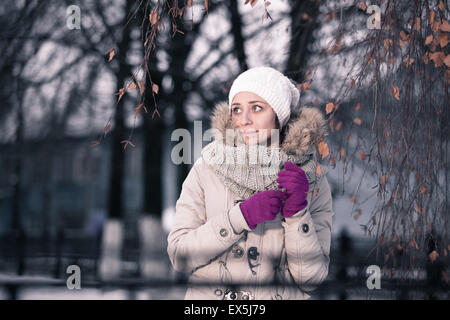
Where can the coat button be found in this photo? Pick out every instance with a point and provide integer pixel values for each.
(218, 292)
(305, 228)
(253, 253)
(238, 252)
(223, 232)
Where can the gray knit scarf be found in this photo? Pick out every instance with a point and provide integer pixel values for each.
(248, 169)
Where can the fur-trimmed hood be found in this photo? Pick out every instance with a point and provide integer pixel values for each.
(305, 128)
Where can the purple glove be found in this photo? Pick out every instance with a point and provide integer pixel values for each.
(262, 206)
(294, 180)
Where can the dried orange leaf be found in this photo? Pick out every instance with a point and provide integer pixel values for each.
(428, 39)
(443, 40)
(408, 61)
(435, 27)
(132, 86)
(445, 26)
(267, 3)
(155, 88)
(253, 3)
(363, 6)
(342, 153)
(339, 126)
(141, 86)
(154, 17)
(329, 107)
(441, 5)
(447, 61)
(323, 149)
(417, 24)
(387, 44)
(304, 86)
(395, 92)
(425, 57)
(422, 189)
(438, 58)
(358, 106)
(413, 243)
(111, 54)
(383, 179)
(431, 17)
(357, 121)
(353, 199)
(120, 93)
(362, 155)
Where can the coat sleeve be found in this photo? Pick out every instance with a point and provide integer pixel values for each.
(308, 238)
(194, 240)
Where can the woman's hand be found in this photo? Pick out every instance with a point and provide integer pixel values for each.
(262, 206)
(294, 180)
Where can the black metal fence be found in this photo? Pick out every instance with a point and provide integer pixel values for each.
(33, 263)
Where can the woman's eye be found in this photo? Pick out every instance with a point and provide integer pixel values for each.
(236, 110)
(257, 108)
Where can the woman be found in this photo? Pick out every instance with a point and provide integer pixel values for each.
(243, 228)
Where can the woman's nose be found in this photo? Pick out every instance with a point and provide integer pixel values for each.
(245, 118)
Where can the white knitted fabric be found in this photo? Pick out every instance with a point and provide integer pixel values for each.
(271, 85)
(248, 169)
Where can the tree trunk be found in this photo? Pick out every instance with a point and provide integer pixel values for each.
(17, 223)
(118, 133)
(236, 29)
(109, 266)
(301, 36)
(153, 148)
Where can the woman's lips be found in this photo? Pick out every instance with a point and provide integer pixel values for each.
(249, 132)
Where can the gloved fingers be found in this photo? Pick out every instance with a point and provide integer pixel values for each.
(274, 210)
(278, 194)
(289, 186)
(276, 202)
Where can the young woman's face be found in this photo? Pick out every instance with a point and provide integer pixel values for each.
(250, 113)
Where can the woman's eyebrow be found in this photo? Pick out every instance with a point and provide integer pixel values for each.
(237, 103)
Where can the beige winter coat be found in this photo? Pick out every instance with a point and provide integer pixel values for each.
(211, 241)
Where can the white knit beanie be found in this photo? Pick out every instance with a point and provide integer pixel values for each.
(271, 85)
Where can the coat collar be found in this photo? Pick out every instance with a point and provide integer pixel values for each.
(305, 128)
